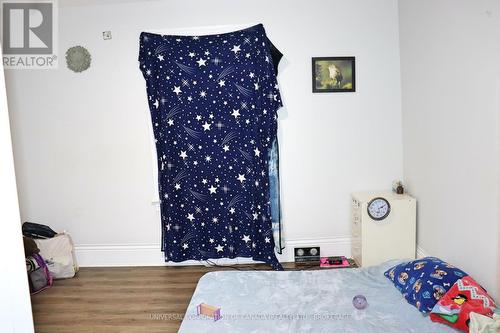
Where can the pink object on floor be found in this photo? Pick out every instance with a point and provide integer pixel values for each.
(328, 262)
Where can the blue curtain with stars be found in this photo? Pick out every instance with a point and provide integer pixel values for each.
(213, 102)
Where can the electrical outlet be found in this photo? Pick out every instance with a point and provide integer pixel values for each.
(303, 254)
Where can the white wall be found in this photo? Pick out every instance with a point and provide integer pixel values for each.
(450, 68)
(82, 142)
(15, 305)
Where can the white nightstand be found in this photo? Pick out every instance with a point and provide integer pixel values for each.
(393, 237)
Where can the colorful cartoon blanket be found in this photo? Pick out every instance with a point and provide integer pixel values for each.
(443, 290)
(463, 298)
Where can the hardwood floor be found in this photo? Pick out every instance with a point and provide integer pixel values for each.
(122, 299)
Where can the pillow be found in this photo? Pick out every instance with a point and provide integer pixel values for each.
(464, 297)
(423, 282)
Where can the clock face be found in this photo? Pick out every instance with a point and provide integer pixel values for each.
(379, 209)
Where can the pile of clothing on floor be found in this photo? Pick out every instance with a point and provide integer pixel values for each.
(49, 256)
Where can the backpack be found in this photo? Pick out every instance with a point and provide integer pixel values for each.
(38, 274)
(35, 230)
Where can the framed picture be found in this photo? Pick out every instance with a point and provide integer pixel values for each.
(333, 74)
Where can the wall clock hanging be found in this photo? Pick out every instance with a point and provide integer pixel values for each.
(78, 59)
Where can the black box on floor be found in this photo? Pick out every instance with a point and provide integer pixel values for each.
(304, 254)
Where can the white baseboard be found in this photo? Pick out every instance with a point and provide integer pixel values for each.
(421, 253)
(100, 255)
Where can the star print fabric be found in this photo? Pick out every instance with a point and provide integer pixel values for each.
(213, 102)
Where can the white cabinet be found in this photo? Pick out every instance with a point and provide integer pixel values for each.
(376, 241)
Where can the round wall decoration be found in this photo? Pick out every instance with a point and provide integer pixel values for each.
(78, 59)
(378, 209)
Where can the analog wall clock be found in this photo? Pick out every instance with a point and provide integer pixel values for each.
(378, 209)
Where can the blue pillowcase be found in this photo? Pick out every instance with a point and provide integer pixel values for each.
(423, 282)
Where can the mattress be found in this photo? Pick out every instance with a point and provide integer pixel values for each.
(304, 301)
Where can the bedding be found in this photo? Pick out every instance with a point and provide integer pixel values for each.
(464, 297)
(484, 324)
(424, 281)
(305, 301)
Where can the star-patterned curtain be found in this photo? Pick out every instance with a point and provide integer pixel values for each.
(214, 102)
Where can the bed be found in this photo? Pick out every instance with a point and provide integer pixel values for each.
(304, 301)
